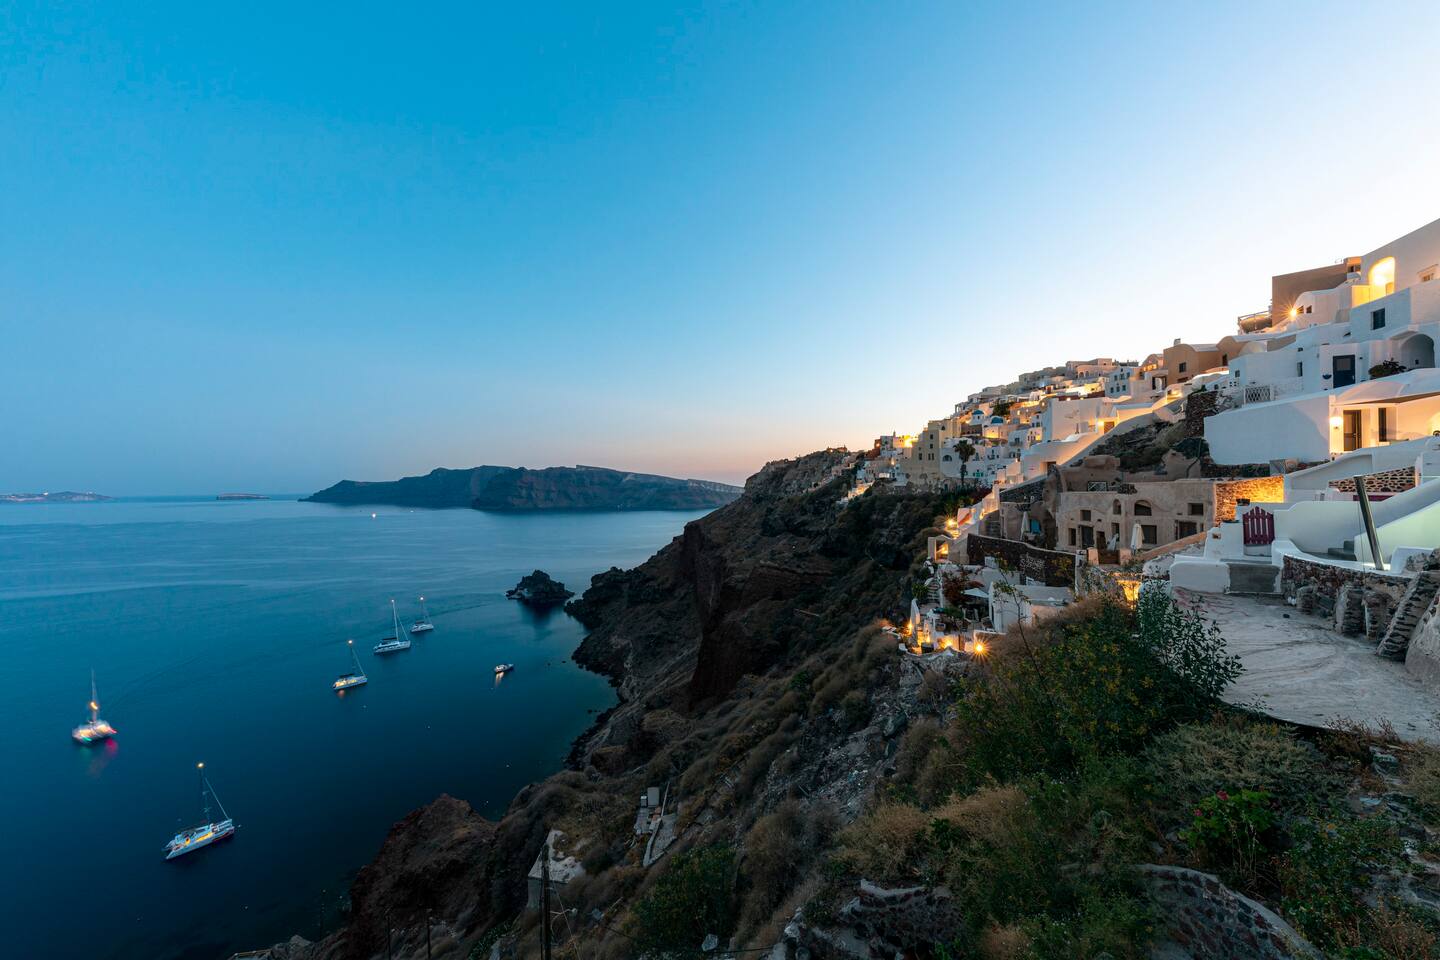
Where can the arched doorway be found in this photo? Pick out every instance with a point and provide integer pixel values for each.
(1417, 352)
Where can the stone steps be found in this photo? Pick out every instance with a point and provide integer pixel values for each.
(1413, 605)
(1254, 577)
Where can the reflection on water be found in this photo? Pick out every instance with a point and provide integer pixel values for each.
(215, 627)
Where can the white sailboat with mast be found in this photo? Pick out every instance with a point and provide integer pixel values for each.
(347, 680)
(395, 642)
(188, 841)
(93, 729)
(423, 625)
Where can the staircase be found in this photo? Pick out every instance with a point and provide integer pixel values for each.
(1413, 604)
(1254, 577)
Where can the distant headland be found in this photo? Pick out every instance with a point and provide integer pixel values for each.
(63, 496)
(518, 489)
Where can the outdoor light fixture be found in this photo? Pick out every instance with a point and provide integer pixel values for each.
(1336, 422)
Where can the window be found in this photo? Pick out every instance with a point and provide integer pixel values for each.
(1197, 510)
(1115, 529)
(1142, 509)
(1072, 536)
(1085, 515)
(1148, 534)
(1384, 424)
(1377, 318)
(1181, 368)
(1299, 369)
(1185, 528)
(1310, 308)
(1224, 359)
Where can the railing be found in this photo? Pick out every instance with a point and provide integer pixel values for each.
(1266, 392)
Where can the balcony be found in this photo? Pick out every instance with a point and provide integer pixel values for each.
(1265, 392)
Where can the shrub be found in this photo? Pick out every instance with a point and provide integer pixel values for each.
(779, 850)
(1386, 368)
(1233, 833)
(691, 899)
(1422, 776)
(1195, 760)
(1325, 877)
(1120, 926)
(1105, 686)
(993, 852)
(885, 843)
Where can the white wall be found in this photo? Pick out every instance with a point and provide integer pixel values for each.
(1298, 428)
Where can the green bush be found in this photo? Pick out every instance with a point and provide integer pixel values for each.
(1104, 687)
(691, 899)
(1195, 760)
(779, 850)
(1233, 834)
(1325, 877)
(1122, 927)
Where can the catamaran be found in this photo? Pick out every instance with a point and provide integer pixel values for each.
(503, 668)
(188, 841)
(393, 643)
(347, 680)
(94, 728)
(423, 625)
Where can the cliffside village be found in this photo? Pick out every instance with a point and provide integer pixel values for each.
(1288, 465)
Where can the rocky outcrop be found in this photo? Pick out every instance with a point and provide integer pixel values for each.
(539, 590)
(517, 489)
(745, 592)
(428, 866)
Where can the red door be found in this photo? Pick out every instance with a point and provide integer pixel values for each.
(1259, 527)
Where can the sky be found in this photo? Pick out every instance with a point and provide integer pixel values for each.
(267, 247)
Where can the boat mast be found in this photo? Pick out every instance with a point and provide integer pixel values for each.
(204, 801)
(395, 617)
(355, 657)
(94, 698)
(424, 611)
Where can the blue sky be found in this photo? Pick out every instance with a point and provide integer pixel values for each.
(268, 247)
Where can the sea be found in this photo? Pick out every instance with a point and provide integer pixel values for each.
(215, 629)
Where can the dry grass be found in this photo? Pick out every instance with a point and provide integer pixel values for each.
(1004, 943)
(992, 815)
(884, 844)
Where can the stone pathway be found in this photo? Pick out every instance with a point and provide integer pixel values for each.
(1298, 669)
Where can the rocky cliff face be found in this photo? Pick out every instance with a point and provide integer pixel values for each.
(722, 615)
(516, 489)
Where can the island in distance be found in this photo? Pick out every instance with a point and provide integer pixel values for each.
(516, 489)
(63, 496)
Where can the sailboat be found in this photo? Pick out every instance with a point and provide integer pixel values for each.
(188, 841)
(94, 728)
(423, 625)
(347, 680)
(393, 643)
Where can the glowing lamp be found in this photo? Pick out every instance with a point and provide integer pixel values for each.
(1336, 422)
(980, 648)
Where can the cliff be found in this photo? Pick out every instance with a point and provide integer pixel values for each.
(518, 489)
(697, 640)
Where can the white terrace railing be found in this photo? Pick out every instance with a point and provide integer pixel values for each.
(1266, 392)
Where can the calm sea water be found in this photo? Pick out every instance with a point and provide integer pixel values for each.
(215, 629)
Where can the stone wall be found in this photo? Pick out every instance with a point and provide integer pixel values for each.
(1198, 406)
(1053, 568)
(1213, 922)
(1255, 489)
(1386, 481)
(1355, 601)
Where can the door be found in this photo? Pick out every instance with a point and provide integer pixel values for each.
(1342, 370)
(1087, 537)
(1352, 430)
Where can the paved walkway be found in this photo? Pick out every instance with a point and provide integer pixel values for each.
(1298, 669)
